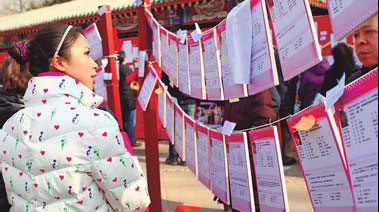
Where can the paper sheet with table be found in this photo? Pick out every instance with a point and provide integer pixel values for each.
(170, 118)
(320, 156)
(180, 138)
(212, 70)
(263, 72)
(219, 167)
(197, 77)
(240, 176)
(191, 145)
(147, 89)
(347, 15)
(165, 50)
(94, 40)
(357, 114)
(269, 172)
(162, 105)
(203, 155)
(296, 36)
(231, 89)
(173, 59)
(183, 68)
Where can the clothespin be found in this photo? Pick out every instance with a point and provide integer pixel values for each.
(182, 35)
(197, 34)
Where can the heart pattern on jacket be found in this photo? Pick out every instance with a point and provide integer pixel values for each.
(60, 149)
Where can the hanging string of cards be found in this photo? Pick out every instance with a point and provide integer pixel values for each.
(338, 177)
(236, 58)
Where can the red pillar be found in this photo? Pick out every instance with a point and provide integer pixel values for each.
(106, 31)
(150, 121)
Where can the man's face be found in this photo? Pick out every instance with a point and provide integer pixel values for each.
(366, 43)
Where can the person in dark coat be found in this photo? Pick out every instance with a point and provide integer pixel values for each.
(366, 47)
(311, 83)
(128, 96)
(344, 62)
(188, 105)
(13, 83)
(252, 111)
(287, 91)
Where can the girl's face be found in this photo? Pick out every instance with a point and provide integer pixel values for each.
(80, 65)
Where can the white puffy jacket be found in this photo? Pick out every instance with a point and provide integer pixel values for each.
(60, 154)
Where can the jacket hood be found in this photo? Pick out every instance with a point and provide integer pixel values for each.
(43, 90)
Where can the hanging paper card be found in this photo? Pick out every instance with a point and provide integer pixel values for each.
(269, 170)
(127, 47)
(165, 51)
(101, 11)
(347, 15)
(182, 36)
(141, 64)
(180, 138)
(170, 118)
(239, 39)
(320, 158)
(263, 72)
(296, 36)
(228, 128)
(197, 77)
(183, 68)
(94, 40)
(203, 155)
(231, 90)
(197, 34)
(212, 69)
(357, 113)
(191, 145)
(173, 59)
(241, 183)
(162, 106)
(100, 87)
(150, 18)
(147, 89)
(219, 167)
(155, 28)
(157, 42)
(135, 53)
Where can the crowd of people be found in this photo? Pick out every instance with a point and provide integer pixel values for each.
(47, 104)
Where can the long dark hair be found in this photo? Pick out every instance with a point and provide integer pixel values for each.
(41, 49)
(14, 80)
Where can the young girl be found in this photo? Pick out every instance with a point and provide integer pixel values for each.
(61, 153)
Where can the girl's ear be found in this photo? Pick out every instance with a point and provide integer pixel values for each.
(58, 63)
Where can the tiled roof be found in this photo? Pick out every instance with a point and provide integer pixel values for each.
(60, 12)
(79, 9)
